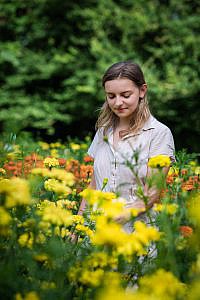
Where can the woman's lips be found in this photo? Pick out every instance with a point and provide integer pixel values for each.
(121, 109)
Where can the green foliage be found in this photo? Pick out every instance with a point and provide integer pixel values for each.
(53, 54)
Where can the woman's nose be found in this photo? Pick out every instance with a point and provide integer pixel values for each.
(118, 101)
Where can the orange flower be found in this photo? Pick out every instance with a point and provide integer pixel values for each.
(88, 159)
(186, 231)
(191, 183)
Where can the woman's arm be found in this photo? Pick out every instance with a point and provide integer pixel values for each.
(82, 206)
(153, 193)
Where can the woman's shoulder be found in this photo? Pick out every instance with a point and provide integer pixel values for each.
(158, 125)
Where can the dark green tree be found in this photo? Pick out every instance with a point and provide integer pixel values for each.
(53, 54)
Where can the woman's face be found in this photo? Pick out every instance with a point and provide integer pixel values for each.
(123, 97)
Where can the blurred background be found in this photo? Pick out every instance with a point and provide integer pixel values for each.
(53, 54)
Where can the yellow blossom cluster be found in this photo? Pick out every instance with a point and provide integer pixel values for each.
(85, 230)
(59, 181)
(170, 208)
(194, 209)
(5, 220)
(95, 265)
(151, 287)
(97, 197)
(53, 214)
(125, 244)
(16, 191)
(65, 203)
(56, 186)
(28, 296)
(26, 240)
(51, 162)
(159, 161)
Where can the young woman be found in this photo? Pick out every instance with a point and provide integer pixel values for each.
(126, 130)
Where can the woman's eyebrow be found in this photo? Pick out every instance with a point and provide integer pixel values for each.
(129, 91)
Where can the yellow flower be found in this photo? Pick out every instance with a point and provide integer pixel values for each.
(26, 240)
(92, 278)
(168, 289)
(96, 196)
(5, 217)
(2, 171)
(170, 209)
(159, 161)
(75, 146)
(42, 257)
(55, 145)
(54, 153)
(173, 171)
(62, 175)
(197, 170)
(41, 172)
(194, 208)
(56, 186)
(84, 229)
(56, 215)
(43, 145)
(31, 296)
(145, 233)
(77, 219)
(51, 162)
(16, 190)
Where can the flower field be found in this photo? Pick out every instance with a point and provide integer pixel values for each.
(49, 252)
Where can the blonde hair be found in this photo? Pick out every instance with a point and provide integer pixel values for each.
(142, 113)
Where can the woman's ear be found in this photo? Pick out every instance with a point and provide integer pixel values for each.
(143, 90)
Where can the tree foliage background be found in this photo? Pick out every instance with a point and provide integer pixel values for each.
(53, 54)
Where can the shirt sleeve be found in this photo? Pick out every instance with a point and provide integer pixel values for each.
(162, 143)
(94, 145)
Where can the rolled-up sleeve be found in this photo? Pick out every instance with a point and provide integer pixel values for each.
(162, 142)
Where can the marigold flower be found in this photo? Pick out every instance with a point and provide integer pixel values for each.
(75, 146)
(26, 240)
(159, 161)
(168, 208)
(56, 186)
(5, 217)
(16, 190)
(170, 288)
(88, 159)
(186, 231)
(51, 162)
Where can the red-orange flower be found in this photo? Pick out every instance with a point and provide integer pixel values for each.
(88, 158)
(186, 231)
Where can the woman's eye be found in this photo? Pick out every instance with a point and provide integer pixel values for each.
(111, 96)
(126, 96)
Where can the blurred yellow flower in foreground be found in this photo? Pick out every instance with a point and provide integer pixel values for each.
(28, 296)
(170, 209)
(16, 190)
(194, 209)
(26, 240)
(96, 196)
(5, 217)
(159, 161)
(151, 287)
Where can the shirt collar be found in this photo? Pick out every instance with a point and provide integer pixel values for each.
(149, 124)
